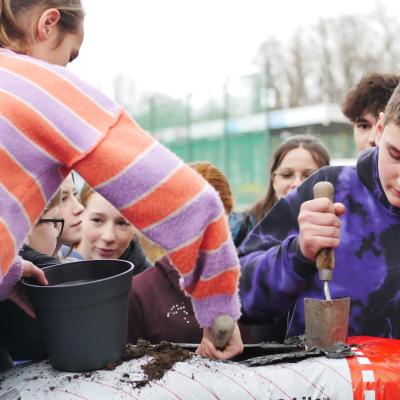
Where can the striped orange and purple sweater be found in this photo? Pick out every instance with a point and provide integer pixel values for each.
(52, 122)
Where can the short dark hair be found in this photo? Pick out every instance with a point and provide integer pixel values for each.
(371, 95)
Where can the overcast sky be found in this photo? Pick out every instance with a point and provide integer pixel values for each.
(177, 46)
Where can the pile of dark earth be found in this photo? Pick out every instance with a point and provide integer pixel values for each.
(163, 357)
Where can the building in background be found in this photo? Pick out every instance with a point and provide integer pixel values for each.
(236, 130)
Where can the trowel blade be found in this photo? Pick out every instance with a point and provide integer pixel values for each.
(326, 322)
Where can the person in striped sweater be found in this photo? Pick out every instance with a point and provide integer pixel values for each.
(52, 122)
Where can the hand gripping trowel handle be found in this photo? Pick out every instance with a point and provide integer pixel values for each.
(325, 260)
(221, 330)
(326, 321)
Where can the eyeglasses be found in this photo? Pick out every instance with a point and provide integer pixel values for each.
(57, 222)
(290, 175)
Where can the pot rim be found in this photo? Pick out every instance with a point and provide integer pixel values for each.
(48, 287)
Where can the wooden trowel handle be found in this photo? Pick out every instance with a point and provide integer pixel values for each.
(222, 329)
(325, 258)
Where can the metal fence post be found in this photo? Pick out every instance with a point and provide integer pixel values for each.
(225, 138)
(188, 123)
(152, 115)
(268, 139)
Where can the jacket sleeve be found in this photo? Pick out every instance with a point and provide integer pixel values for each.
(274, 271)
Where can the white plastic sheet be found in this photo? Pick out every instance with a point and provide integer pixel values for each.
(311, 379)
(373, 373)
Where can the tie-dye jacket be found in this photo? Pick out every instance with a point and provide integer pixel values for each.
(276, 277)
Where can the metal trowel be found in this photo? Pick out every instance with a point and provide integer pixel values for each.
(326, 321)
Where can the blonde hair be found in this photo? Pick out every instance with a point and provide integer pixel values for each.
(86, 192)
(18, 20)
(217, 180)
(54, 202)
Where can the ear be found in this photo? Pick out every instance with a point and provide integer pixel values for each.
(47, 24)
(379, 128)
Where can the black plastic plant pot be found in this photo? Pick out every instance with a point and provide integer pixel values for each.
(83, 312)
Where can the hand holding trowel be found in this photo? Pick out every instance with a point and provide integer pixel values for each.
(224, 337)
(326, 321)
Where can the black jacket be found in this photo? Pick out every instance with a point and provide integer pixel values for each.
(39, 259)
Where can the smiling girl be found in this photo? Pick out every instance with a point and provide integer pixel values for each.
(106, 234)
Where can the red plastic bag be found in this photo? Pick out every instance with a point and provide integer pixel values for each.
(375, 368)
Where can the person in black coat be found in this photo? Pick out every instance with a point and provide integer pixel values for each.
(20, 335)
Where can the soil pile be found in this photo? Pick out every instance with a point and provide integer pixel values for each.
(164, 356)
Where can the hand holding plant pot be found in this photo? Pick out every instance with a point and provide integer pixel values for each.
(18, 295)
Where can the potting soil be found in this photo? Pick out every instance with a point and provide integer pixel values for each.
(163, 356)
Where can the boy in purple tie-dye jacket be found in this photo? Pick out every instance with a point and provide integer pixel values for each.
(363, 225)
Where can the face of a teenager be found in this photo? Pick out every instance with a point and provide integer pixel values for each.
(51, 44)
(297, 165)
(43, 236)
(388, 140)
(106, 233)
(71, 210)
(364, 130)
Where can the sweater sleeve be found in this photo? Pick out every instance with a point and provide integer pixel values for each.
(53, 122)
(274, 271)
(12, 277)
(174, 207)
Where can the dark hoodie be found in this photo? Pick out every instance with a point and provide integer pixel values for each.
(160, 310)
(135, 254)
(39, 259)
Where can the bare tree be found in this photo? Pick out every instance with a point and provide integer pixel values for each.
(271, 58)
(388, 29)
(321, 63)
(297, 71)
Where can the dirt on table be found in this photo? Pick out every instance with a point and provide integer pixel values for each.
(164, 356)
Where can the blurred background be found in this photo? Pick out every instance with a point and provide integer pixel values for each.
(226, 81)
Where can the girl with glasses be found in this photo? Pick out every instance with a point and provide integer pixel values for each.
(292, 162)
(44, 234)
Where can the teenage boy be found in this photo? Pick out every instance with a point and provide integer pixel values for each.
(363, 225)
(363, 104)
